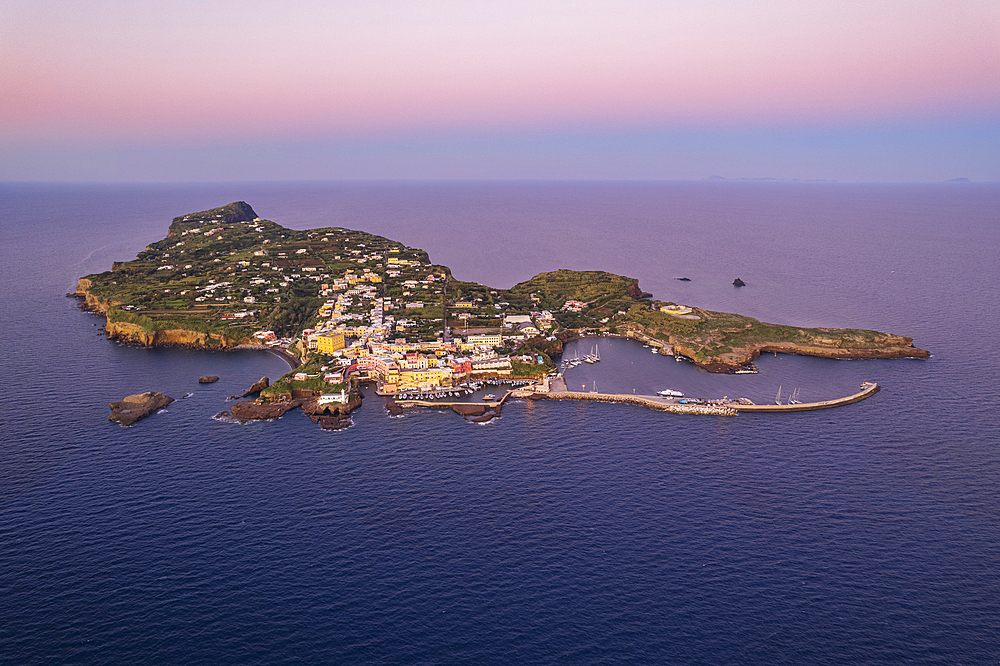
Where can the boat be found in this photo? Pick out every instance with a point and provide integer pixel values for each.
(594, 390)
(670, 393)
(794, 400)
(777, 398)
(489, 396)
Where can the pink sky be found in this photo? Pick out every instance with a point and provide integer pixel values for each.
(209, 69)
(96, 72)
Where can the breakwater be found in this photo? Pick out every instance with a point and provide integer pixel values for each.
(868, 389)
(650, 401)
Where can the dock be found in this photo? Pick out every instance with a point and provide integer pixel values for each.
(408, 402)
(655, 402)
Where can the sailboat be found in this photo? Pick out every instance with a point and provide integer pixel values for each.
(594, 390)
(794, 400)
(777, 398)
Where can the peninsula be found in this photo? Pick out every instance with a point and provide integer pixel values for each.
(348, 303)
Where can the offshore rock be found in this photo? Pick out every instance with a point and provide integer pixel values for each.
(739, 283)
(208, 379)
(130, 409)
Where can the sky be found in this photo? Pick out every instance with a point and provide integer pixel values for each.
(873, 90)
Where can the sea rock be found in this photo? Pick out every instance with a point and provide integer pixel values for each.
(208, 379)
(227, 417)
(130, 409)
(739, 283)
(683, 279)
(258, 386)
(251, 411)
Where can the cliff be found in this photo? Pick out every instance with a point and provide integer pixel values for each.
(92, 303)
(149, 335)
(171, 337)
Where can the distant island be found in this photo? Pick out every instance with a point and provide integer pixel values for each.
(344, 301)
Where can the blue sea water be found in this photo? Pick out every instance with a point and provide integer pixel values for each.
(562, 532)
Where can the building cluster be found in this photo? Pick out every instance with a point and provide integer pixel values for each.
(401, 365)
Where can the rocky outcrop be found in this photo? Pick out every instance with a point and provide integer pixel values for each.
(331, 415)
(252, 411)
(208, 379)
(257, 386)
(635, 292)
(92, 303)
(739, 283)
(237, 211)
(130, 409)
(891, 346)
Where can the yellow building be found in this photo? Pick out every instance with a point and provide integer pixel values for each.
(474, 341)
(327, 343)
(427, 378)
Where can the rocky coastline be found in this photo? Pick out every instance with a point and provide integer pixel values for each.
(130, 333)
(893, 346)
(330, 416)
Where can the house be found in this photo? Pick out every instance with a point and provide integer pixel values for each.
(461, 367)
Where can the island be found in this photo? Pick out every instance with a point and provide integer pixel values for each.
(345, 306)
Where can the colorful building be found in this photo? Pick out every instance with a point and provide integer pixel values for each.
(474, 341)
(327, 343)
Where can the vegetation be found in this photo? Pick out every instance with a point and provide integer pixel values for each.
(226, 272)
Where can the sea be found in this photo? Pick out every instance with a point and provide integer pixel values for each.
(562, 532)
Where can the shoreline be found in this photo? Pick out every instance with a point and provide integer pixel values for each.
(280, 352)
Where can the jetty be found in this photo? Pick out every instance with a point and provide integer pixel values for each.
(412, 402)
(650, 401)
(868, 389)
(687, 406)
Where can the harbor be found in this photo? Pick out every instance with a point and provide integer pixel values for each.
(613, 363)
